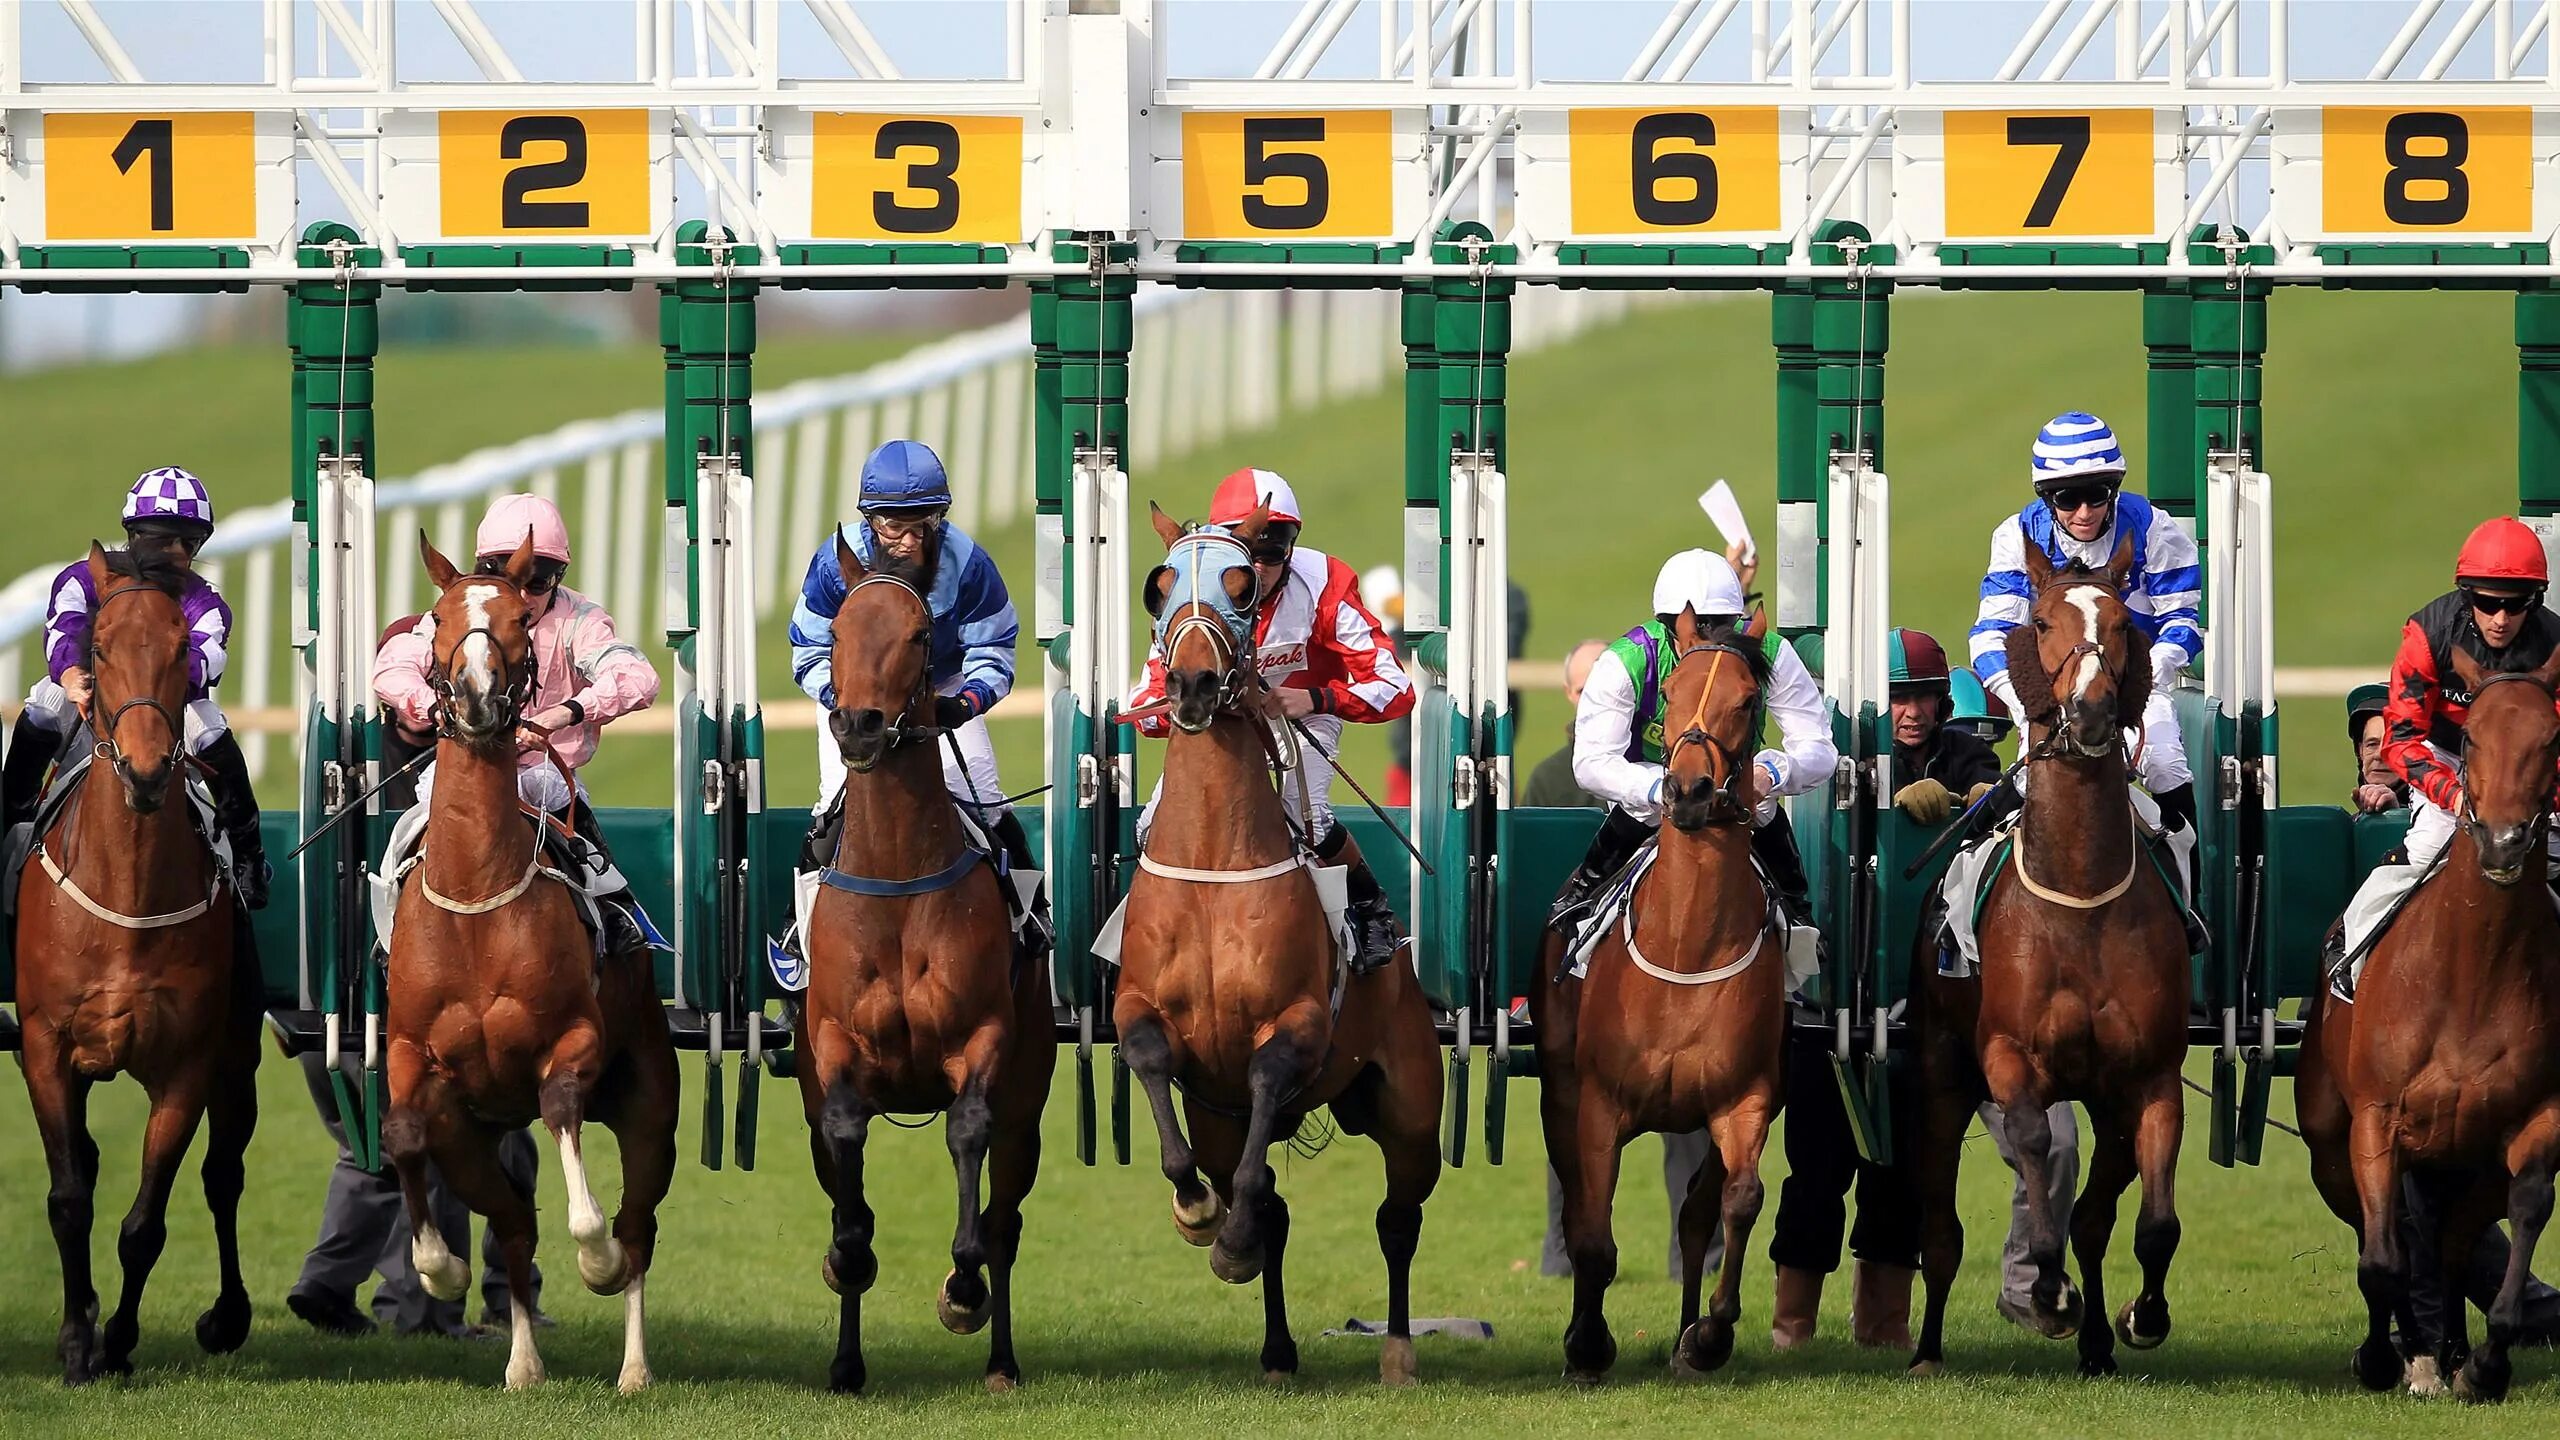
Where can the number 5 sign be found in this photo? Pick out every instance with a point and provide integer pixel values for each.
(2400, 172)
(483, 175)
(1324, 175)
(143, 179)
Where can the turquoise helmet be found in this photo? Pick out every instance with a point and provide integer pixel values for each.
(1974, 712)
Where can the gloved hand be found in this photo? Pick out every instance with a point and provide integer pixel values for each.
(1925, 800)
(1974, 796)
(953, 711)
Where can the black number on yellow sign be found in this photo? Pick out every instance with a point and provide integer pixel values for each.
(152, 142)
(2449, 144)
(934, 177)
(2069, 135)
(1261, 167)
(517, 209)
(1649, 167)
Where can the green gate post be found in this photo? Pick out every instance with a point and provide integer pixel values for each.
(707, 327)
(2226, 344)
(2538, 403)
(335, 331)
(2170, 458)
(1081, 330)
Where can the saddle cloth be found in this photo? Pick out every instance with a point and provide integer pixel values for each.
(1965, 888)
(588, 876)
(1804, 945)
(788, 958)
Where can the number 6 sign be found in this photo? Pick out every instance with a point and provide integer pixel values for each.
(1609, 172)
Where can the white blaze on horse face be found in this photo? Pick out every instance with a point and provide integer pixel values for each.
(478, 653)
(2084, 598)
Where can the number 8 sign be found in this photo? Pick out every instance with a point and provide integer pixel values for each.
(2404, 172)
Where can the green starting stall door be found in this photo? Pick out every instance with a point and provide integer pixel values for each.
(1868, 911)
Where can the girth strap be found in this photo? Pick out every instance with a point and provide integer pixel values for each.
(81, 898)
(1272, 871)
(942, 879)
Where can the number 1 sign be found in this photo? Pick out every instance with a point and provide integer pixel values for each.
(144, 179)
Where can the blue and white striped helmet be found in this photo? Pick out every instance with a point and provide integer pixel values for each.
(2075, 445)
(169, 494)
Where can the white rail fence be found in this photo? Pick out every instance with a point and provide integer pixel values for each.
(1205, 365)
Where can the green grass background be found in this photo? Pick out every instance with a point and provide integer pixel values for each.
(2391, 431)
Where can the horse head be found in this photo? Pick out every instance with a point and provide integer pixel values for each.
(2510, 751)
(2082, 668)
(137, 664)
(1202, 598)
(1715, 682)
(482, 667)
(883, 636)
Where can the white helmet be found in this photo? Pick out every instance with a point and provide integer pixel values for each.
(1698, 579)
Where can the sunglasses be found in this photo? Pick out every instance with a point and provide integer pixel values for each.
(1270, 554)
(2080, 497)
(2502, 604)
(546, 577)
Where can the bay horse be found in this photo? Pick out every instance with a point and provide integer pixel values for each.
(129, 963)
(1679, 1020)
(2443, 1064)
(2083, 985)
(1230, 988)
(919, 999)
(498, 1011)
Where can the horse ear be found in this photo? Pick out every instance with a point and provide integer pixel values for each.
(1757, 625)
(2039, 567)
(848, 563)
(1684, 627)
(1250, 528)
(520, 564)
(440, 571)
(2549, 674)
(2467, 670)
(1167, 528)
(97, 566)
(2120, 565)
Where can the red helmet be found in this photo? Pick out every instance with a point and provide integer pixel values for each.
(2503, 548)
(1240, 492)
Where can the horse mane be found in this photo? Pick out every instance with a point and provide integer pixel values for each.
(158, 571)
(915, 574)
(1730, 634)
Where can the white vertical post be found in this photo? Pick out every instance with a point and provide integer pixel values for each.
(595, 550)
(808, 504)
(1007, 475)
(774, 459)
(967, 460)
(631, 530)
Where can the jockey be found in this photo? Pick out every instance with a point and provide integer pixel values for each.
(585, 674)
(168, 516)
(904, 532)
(1327, 659)
(1618, 736)
(2494, 614)
(1938, 769)
(2080, 515)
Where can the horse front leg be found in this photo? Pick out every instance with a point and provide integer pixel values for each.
(176, 1109)
(1948, 1111)
(416, 1093)
(576, 1061)
(844, 1127)
(2024, 1120)
(2531, 1159)
(964, 1302)
(1740, 1135)
(1280, 1069)
(1599, 1139)
(2161, 1124)
(231, 1115)
(2381, 1267)
(61, 1102)
(2112, 1168)
(1197, 1211)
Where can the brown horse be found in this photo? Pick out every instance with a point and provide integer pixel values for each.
(127, 963)
(499, 1011)
(2443, 1066)
(2083, 984)
(918, 998)
(1678, 1022)
(1229, 984)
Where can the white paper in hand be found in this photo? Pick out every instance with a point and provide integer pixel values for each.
(1726, 513)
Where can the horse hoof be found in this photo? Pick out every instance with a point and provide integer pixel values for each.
(225, 1327)
(847, 1377)
(1199, 1224)
(606, 1269)
(1585, 1378)
(1233, 1268)
(1704, 1347)
(1395, 1361)
(999, 1383)
(635, 1378)
(448, 1281)
(1280, 1379)
(962, 1317)
(2131, 1333)
(2379, 1367)
(863, 1275)
(1926, 1369)
(827, 1272)
(2481, 1385)
(2426, 1378)
(524, 1376)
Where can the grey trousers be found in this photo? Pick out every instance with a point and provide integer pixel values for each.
(364, 1230)
(2062, 1162)
(1682, 1157)
(2419, 1219)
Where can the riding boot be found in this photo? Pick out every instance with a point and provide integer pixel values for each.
(817, 852)
(235, 809)
(1037, 933)
(1774, 845)
(1373, 920)
(1880, 1305)
(32, 751)
(1621, 835)
(618, 910)
(2178, 811)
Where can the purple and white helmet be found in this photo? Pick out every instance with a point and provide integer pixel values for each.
(169, 494)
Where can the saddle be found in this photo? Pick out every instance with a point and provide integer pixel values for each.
(1616, 900)
(18, 847)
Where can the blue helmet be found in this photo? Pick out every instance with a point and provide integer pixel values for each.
(903, 475)
(2076, 445)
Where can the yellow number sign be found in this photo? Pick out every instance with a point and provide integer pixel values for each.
(150, 177)
(1280, 177)
(2031, 173)
(2387, 169)
(917, 177)
(560, 172)
(1657, 171)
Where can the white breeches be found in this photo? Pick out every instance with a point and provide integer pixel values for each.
(1315, 812)
(52, 709)
(537, 785)
(971, 778)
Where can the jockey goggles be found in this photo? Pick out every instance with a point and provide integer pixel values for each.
(2067, 498)
(2492, 604)
(903, 524)
(546, 577)
(1278, 542)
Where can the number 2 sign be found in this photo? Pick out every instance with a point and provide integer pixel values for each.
(480, 175)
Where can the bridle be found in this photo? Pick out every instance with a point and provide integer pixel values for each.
(2061, 740)
(107, 748)
(1229, 626)
(904, 728)
(2469, 817)
(517, 696)
(1725, 805)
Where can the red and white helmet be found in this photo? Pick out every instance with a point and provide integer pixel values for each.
(2503, 548)
(1240, 492)
(510, 516)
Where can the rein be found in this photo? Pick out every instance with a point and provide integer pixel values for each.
(902, 731)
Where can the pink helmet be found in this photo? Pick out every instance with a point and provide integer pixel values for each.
(511, 515)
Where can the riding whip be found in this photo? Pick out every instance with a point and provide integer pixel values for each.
(1964, 822)
(358, 803)
(1300, 726)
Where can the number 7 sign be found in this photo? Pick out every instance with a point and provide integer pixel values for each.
(2098, 174)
